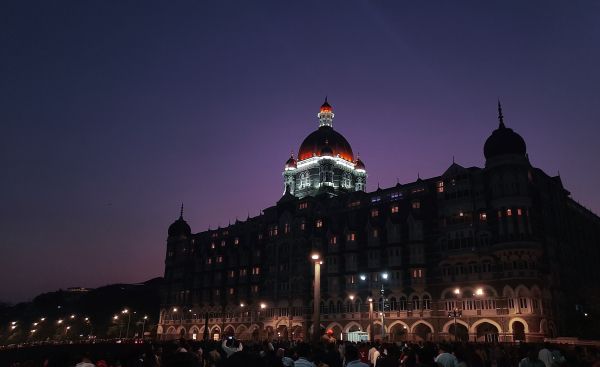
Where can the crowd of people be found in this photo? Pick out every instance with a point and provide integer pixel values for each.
(231, 352)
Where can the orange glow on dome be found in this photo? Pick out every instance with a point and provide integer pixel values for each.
(322, 137)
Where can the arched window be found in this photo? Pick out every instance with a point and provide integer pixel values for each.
(349, 307)
(340, 307)
(402, 304)
(426, 302)
(357, 306)
(393, 304)
(331, 307)
(415, 303)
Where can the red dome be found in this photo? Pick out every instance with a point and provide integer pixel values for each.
(325, 136)
(291, 163)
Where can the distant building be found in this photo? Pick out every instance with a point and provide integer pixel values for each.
(504, 248)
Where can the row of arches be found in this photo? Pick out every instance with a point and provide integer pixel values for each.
(483, 330)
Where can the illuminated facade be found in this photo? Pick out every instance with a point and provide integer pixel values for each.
(503, 247)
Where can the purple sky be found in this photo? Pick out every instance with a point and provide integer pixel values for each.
(114, 112)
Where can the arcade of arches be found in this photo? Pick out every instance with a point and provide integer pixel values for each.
(431, 329)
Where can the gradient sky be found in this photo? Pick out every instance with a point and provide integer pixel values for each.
(114, 112)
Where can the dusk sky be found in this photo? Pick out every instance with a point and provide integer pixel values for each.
(114, 112)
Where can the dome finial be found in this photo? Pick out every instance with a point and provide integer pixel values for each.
(181, 212)
(500, 116)
(325, 114)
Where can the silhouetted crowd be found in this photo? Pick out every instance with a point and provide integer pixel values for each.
(230, 352)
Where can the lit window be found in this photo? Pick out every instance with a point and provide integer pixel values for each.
(416, 204)
(375, 199)
(354, 204)
(319, 223)
(275, 229)
(499, 213)
(395, 195)
(333, 240)
(303, 205)
(231, 291)
(231, 273)
(242, 272)
(395, 208)
(374, 212)
(519, 212)
(217, 292)
(417, 273)
(508, 212)
(212, 245)
(209, 261)
(223, 243)
(286, 228)
(220, 259)
(351, 237)
(375, 233)
(214, 235)
(302, 226)
(440, 186)
(260, 236)
(255, 270)
(254, 289)
(236, 241)
(482, 217)
(461, 214)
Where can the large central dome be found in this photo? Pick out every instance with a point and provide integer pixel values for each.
(325, 137)
(325, 141)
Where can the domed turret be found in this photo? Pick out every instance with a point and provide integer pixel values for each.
(359, 165)
(291, 163)
(503, 141)
(180, 227)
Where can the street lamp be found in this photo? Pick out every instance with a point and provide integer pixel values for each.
(384, 276)
(372, 326)
(126, 311)
(144, 325)
(317, 297)
(455, 314)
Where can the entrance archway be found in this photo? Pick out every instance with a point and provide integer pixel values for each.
(460, 334)
(282, 332)
(487, 333)
(398, 332)
(518, 331)
(422, 332)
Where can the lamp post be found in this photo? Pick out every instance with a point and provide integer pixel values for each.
(384, 276)
(126, 311)
(317, 297)
(262, 307)
(144, 325)
(370, 299)
(116, 319)
(455, 314)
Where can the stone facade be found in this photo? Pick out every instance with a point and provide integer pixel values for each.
(493, 244)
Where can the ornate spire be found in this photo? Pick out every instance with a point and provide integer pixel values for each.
(325, 114)
(181, 212)
(500, 116)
